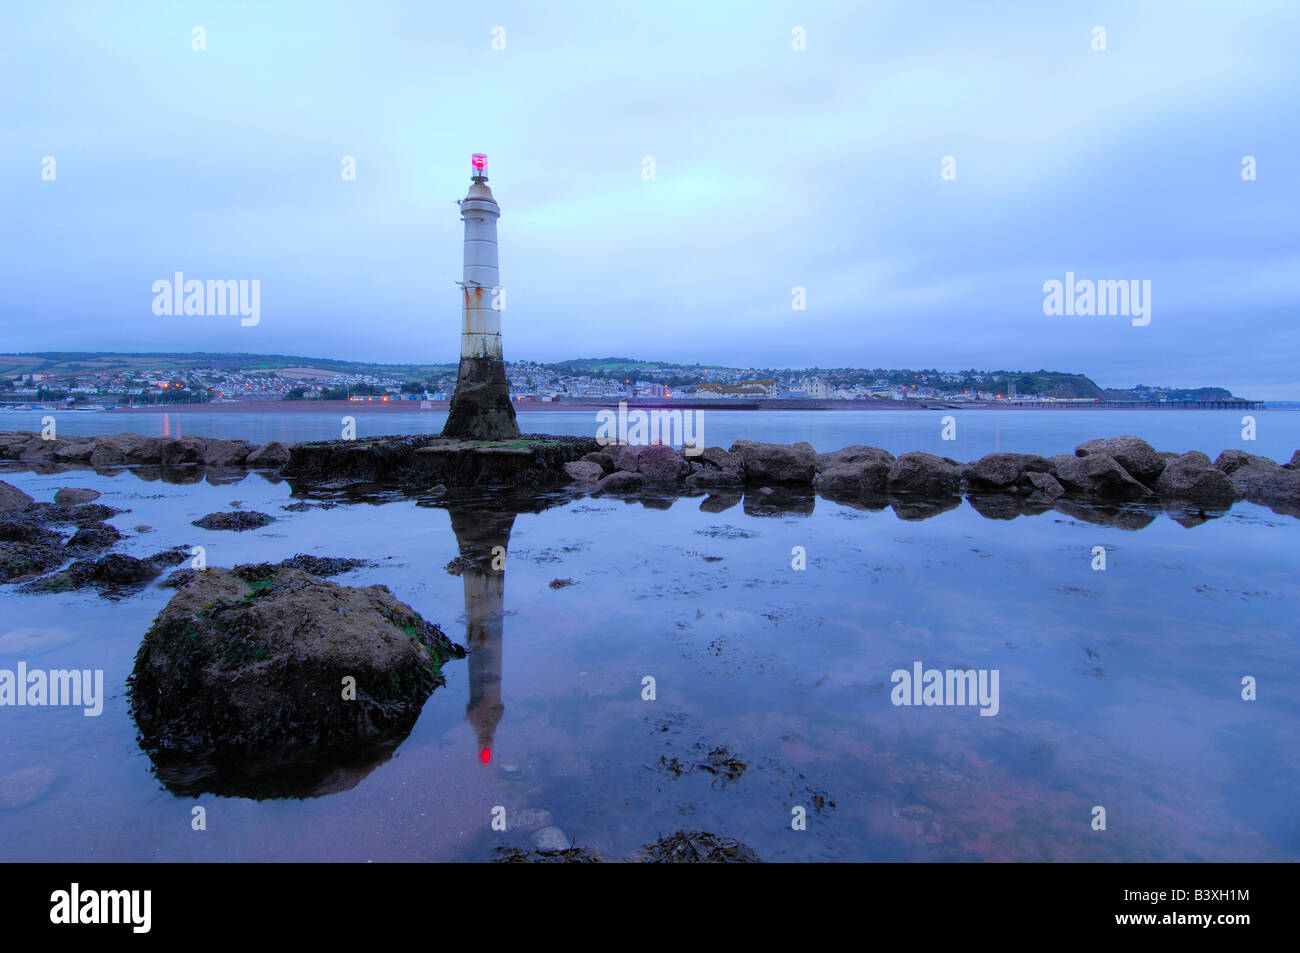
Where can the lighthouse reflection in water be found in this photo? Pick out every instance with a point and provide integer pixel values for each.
(483, 535)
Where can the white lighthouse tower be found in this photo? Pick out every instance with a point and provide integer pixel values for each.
(481, 408)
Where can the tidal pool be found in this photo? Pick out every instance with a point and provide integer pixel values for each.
(1119, 689)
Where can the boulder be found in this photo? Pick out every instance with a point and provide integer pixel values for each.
(1004, 471)
(621, 481)
(1294, 463)
(776, 462)
(93, 538)
(225, 453)
(924, 474)
(264, 682)
(72, 495)
(720, 459)
(583, 471)
(238, 520)
(12, 443)
(118, 569)
(710, 478)
(140, 449)
(856, 454)
(1099, 475)
(623, 457)
(74, 449)
(268, 456)
(1230, 461)
(1138, 458)
(696, 847)
(1260, 480)
(113, 575)
(855, 479)
(604, 459)
(120, 448)
(1192, 479)
(107, 454)
(38, 450)
(661, 464)
(1189, 456)
(1043, 485)
(183, 451)
(12, 498)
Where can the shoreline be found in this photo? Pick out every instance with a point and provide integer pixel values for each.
(531, 407)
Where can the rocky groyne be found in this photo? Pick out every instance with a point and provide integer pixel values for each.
(1103, 474)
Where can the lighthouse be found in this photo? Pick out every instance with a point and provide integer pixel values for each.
(481, 407)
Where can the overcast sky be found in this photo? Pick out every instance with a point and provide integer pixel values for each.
(774, 168)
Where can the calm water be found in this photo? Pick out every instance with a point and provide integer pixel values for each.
(978, 431)
(1118, 688)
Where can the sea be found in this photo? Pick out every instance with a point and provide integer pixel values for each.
(707, 664)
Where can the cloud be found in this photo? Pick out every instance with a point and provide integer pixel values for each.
(774, 168)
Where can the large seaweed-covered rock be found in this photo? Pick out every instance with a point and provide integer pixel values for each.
(241, 686)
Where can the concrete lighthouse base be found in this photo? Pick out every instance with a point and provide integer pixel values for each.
(481, 407)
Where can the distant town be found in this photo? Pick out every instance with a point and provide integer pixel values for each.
(104, 380)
